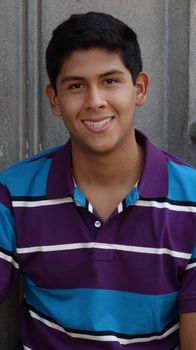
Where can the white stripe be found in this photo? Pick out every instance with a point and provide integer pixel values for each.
(9, 259)
(90, 245)
(190, 266)
(26, 348)
(139, 203)
(165, 205)
(120, 208)
(32, 204)
(90, 207)
(104, 337)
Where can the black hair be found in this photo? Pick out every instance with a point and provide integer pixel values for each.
(92, 29)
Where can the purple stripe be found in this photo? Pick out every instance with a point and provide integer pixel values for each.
(5, 197)
(50, 339)
(67, 223)
(152, 227)
(57, 224)
(95, 268)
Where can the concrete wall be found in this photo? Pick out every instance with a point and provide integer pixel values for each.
(167, 34)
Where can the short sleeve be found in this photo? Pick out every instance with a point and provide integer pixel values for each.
(187, 297)
(9, 267)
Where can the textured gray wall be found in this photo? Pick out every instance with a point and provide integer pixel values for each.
(167, 34)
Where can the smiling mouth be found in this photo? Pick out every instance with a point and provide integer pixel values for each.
(97, 124)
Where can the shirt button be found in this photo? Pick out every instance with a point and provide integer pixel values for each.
(97, 224)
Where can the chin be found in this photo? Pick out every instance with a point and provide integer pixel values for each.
(102, 149)
(96, 148)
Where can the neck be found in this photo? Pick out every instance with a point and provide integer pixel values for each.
(108, 170)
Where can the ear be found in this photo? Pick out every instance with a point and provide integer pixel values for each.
(142, 84)
(53, 100)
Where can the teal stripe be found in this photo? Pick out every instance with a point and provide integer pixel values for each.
(132, 197)
(27, 178)
(182, 182)
(194, 252)
(104, 310)
(79, 197)
(7, 230)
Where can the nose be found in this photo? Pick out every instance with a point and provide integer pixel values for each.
(95, 99)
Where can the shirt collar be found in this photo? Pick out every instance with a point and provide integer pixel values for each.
(154, 179)
(152, 184)
(60, 182)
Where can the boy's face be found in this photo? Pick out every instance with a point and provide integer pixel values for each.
(97, 99)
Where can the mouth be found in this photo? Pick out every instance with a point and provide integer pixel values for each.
(98, 125)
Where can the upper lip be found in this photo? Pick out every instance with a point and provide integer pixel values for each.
(97, 119)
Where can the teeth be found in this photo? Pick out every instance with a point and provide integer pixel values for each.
(97, 125)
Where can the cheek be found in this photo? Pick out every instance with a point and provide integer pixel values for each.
(69, 109)
(123, 99)
(125, 107)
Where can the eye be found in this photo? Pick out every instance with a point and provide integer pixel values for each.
(75, 86)
(110, 81)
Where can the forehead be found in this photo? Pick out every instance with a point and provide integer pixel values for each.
(97, 60)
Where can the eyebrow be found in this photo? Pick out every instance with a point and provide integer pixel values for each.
(76, 78)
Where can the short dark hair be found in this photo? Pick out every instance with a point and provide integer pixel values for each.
(92, 29)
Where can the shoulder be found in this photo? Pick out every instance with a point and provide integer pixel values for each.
(182, 180)
(29, 177)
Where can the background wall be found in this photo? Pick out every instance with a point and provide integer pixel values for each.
(167, 35)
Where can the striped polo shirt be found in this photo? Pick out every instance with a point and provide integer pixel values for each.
(88, 284)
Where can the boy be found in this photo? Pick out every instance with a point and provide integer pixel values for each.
(103, 228)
